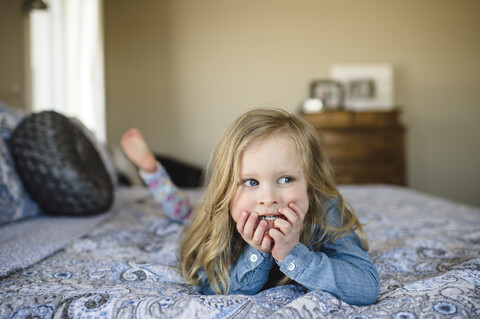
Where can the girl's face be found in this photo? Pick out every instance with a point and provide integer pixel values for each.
(270, 177)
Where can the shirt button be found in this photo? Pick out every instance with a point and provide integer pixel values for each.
(291, 266)
(253, 258)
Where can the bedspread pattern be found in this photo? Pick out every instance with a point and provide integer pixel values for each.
(427, 251)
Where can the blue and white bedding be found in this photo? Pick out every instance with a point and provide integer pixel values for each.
(124, 264)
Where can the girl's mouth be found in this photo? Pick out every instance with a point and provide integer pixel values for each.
(269, 217)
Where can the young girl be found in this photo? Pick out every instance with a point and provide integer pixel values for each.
(270, 214)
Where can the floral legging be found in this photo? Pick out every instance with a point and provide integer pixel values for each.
(173, 202)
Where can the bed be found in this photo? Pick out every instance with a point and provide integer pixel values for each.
(124, 264)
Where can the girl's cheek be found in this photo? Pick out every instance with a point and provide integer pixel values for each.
(305, 209)
(235, 214)
(304, 205)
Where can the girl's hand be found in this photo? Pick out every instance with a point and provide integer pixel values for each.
(253, 232)
(286, 232)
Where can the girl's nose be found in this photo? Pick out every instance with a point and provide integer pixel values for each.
(268, 196)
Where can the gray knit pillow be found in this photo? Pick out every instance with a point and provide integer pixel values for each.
(59, 166)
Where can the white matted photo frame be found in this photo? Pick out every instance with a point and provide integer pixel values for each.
(366, 86)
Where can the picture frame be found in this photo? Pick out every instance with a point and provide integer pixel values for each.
(366, 86)
(329, 92)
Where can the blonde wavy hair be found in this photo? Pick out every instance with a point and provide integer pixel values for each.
(211, 242)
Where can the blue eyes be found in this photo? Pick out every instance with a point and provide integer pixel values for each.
(285, 180)
(253, 182)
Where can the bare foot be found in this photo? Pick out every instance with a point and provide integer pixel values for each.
(137, 151)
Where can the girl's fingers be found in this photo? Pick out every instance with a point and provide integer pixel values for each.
(297, 210)
(275, 234)
(250, 224)
(241, 222)
(290, 215)
(266, 243)
(259, 232)
(293, 213)
(293, 218)
(283, 225)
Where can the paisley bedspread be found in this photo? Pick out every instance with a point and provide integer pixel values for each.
(426, 249)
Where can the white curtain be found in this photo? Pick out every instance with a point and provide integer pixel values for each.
(67, 64)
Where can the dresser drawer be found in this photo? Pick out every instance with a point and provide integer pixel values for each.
(363, 147)
(331, 119)
(360, 156)
(376, 119)
(362, 138)
(361, 174)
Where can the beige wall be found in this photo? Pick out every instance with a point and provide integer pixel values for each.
(182, 69)
(12, 58)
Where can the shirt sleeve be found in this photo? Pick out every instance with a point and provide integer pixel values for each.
(248, 274)
(342, 268)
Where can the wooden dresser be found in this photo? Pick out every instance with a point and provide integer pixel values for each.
(363, 147)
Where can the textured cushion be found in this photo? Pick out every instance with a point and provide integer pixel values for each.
(15, 203)
(100, 148)
(60, 167)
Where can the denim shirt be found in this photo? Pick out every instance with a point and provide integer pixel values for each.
(342, 268)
